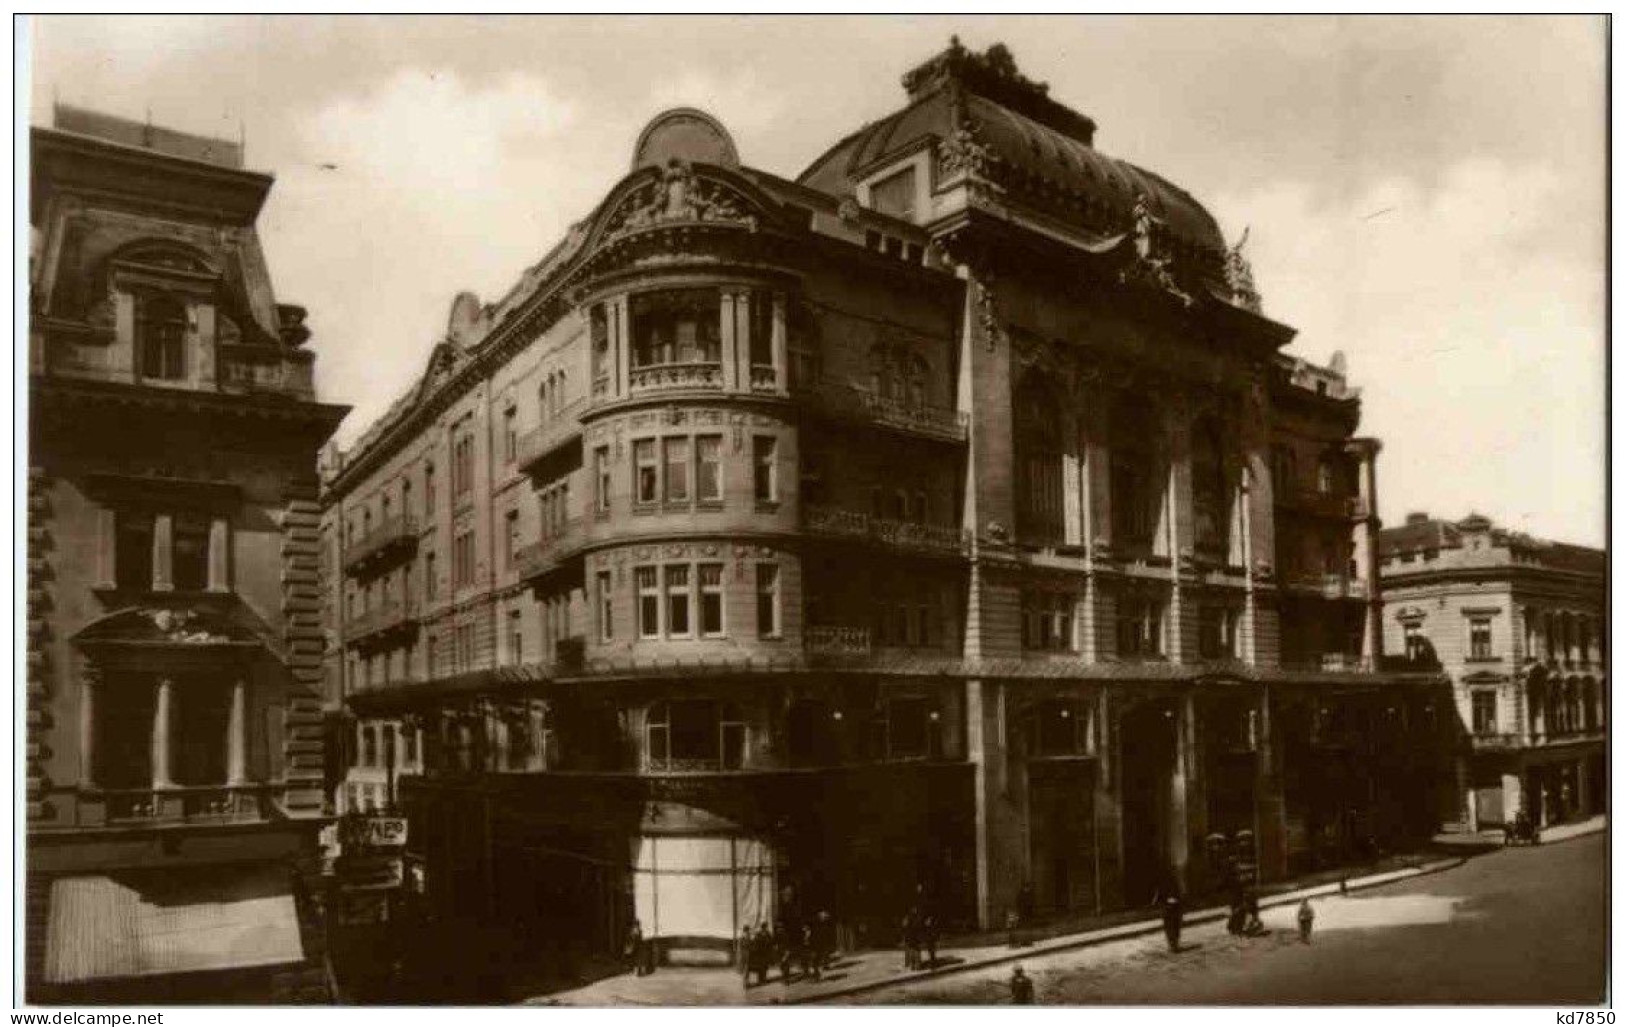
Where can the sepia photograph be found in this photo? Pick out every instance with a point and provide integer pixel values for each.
(613, 511)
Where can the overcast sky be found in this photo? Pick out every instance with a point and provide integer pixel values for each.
(1426, 195)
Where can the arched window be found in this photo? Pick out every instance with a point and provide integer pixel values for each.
(1038, 454)
(1210, 489)
(1138, 474)
(160, 331)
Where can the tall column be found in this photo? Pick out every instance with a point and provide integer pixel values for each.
(1179, 806)
(219, 555)
(1367, 548)
(237, 736)
(1072, 490)
(161, 716)
(781, 343)
(87, 728)
(106, 548)
(620, 338)
(1179, 531)
(1271, 803)
(123, 358)
(730, 345)
(163, 546)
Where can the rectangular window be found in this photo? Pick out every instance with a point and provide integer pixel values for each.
(1414, 642)
(894, 194)
(1479, 638)
(510, 538)
(648, 603)
(462, 560)
(676, 469)
(132, 552)
(428, 489)
(516, 638)
(430, 583)
(1483, 712)
(710, 599)
(600, 463)
(677, 600)
(462, 464)
(1215, 632)
(510, 435)
(767, 600)
(606, 608)
(161, 330)
(647, 489)
(765, 450)
(189, 554)
(1139, 627)
(708, 458)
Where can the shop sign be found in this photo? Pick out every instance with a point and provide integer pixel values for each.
(369, 832)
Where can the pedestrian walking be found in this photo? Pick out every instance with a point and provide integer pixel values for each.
(911, 941)
(809, 954)
(1306, 920)
(930, 934)
(1012, 927)
(824, 938)
(747, 952)
(1255, 922)
(1021, 988)
(1173, 919)
(786, 946)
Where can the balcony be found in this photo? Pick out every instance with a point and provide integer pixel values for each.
(1327, 586)
(835, 640)
(844, 402)
(908, 536)
(394, 537)
(675, 377)
(384, 619)
(208, 804)
(764, 378)
(1333, 663)
(1334, 505)
(546, 556)
(539, 443)
(1497, 740)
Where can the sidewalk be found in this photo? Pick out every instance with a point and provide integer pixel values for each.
(1486, 840)
(863, 971)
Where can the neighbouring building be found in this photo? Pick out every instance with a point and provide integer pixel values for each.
(943, 521)
(174, 735)
(1521, 625)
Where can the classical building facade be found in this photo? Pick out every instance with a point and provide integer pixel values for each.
(174, 763)
(942, 521)
(1520, 624)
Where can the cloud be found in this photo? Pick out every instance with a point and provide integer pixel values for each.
(1472, 313)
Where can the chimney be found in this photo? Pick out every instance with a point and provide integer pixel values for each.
(1416, 518)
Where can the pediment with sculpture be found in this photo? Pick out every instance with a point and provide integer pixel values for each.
(214, 627)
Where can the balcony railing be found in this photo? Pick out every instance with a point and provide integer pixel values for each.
(1329, 586)
(191, 805)
(906, 535)
(395, 535)
(836, 640)
(548, 554)
(1338, 505)
(846, 402)
(542, 442)
(661, 377)
(385, 617)
(1329, 662)
(1497, 740)
(764, 378)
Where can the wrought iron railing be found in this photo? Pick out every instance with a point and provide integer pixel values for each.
(910, 535)
(838, 399)
(542, 441)
(400, 530)
(836, 640)
(205, 804)
(546, 555)
(385, 616)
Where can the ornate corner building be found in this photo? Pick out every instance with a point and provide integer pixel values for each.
(174, 746)
(944, 521)
(1520, 624)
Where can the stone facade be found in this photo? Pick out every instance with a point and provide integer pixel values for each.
(909, 531)
(1520, 624)
(174, 652)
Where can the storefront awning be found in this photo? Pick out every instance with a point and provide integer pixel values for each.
(174, 921)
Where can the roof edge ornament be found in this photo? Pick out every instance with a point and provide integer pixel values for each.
(685, 134)
(1238, 273)
(994, 75)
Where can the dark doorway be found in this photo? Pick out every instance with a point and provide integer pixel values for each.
(1060, 797)
(1148, 752)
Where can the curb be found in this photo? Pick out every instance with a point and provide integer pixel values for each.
(1138, 928)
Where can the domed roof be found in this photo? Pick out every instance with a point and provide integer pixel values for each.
(1042, 143)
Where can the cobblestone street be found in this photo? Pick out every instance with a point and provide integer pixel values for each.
(1523, 925)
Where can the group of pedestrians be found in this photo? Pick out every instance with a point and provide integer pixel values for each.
(920, 932)
(809, 944)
